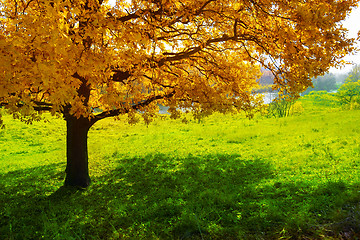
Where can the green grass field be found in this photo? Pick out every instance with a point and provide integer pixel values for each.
(225, 177)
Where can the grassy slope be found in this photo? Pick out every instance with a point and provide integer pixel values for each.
(225, 177)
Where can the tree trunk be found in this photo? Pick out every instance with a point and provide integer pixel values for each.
(77, 170)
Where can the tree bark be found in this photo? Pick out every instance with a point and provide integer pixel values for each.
(77, 170)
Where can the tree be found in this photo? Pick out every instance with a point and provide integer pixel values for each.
(326, 82)
(348, 92)
(354, 74)
(71, 57)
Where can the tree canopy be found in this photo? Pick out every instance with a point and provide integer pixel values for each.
(74, 56)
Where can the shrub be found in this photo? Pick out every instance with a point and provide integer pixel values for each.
(297, 108)
(283, 107)
(349, 92)
(322, 98)
(355, 103)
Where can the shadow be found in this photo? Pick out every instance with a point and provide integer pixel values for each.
(64, 193)
(162, 197)
(180, 193)
(23, 196)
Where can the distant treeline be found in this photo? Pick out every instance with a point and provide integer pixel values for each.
(329, 82)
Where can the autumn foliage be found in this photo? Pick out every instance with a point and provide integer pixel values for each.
(72, 57)
(75, 56)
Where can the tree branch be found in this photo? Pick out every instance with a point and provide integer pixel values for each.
(187, 53)
(124, 18)
(120, 76)
(116, 112)
(40, 106)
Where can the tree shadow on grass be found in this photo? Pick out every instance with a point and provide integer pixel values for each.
(218, 197)
(172, 197)
(159, 196)
(22, 194)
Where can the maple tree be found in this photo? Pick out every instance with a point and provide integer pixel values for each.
(72, 57)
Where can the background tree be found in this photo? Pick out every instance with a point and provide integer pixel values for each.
(354, 74)
(348, 92)
(70, 57)
(326, 82)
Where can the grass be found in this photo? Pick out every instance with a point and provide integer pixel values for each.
(225, 177)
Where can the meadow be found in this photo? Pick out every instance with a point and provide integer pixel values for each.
(224, 177)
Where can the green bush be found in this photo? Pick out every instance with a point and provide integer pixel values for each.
(348, 93)
(279, 108)
(321, 98)
(282, 106)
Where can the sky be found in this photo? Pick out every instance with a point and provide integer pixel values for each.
(352, 23)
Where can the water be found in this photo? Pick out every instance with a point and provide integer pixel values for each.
(268, 98)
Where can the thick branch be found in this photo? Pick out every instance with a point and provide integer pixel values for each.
(40, 106)
(124, 18)
(116, 112)
(120, 76)
(194, 50)
(84, 89)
